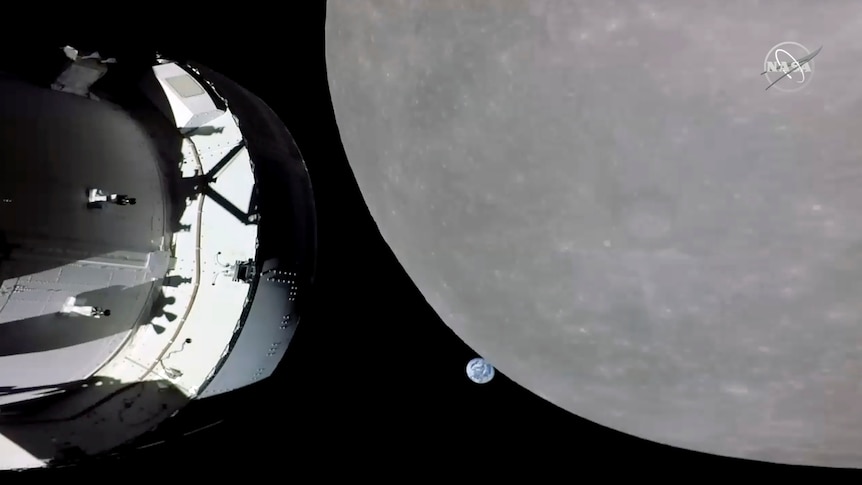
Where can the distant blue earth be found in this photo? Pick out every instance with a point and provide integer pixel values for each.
(480, 371)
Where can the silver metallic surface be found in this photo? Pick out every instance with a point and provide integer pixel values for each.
(181, 315)
(54, 146)
(602, 199)
(287, 243)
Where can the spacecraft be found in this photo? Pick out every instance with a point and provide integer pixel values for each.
(157, 241)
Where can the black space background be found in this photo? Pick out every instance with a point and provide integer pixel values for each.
(373, 382)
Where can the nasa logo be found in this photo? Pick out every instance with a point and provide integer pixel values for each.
(788, 66)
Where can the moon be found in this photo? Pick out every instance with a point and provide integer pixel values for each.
(602, 199)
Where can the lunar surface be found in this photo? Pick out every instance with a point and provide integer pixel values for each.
(604, 200)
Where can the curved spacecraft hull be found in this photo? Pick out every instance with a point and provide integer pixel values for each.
(287, 241)
(607, 203)
(203, 270)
